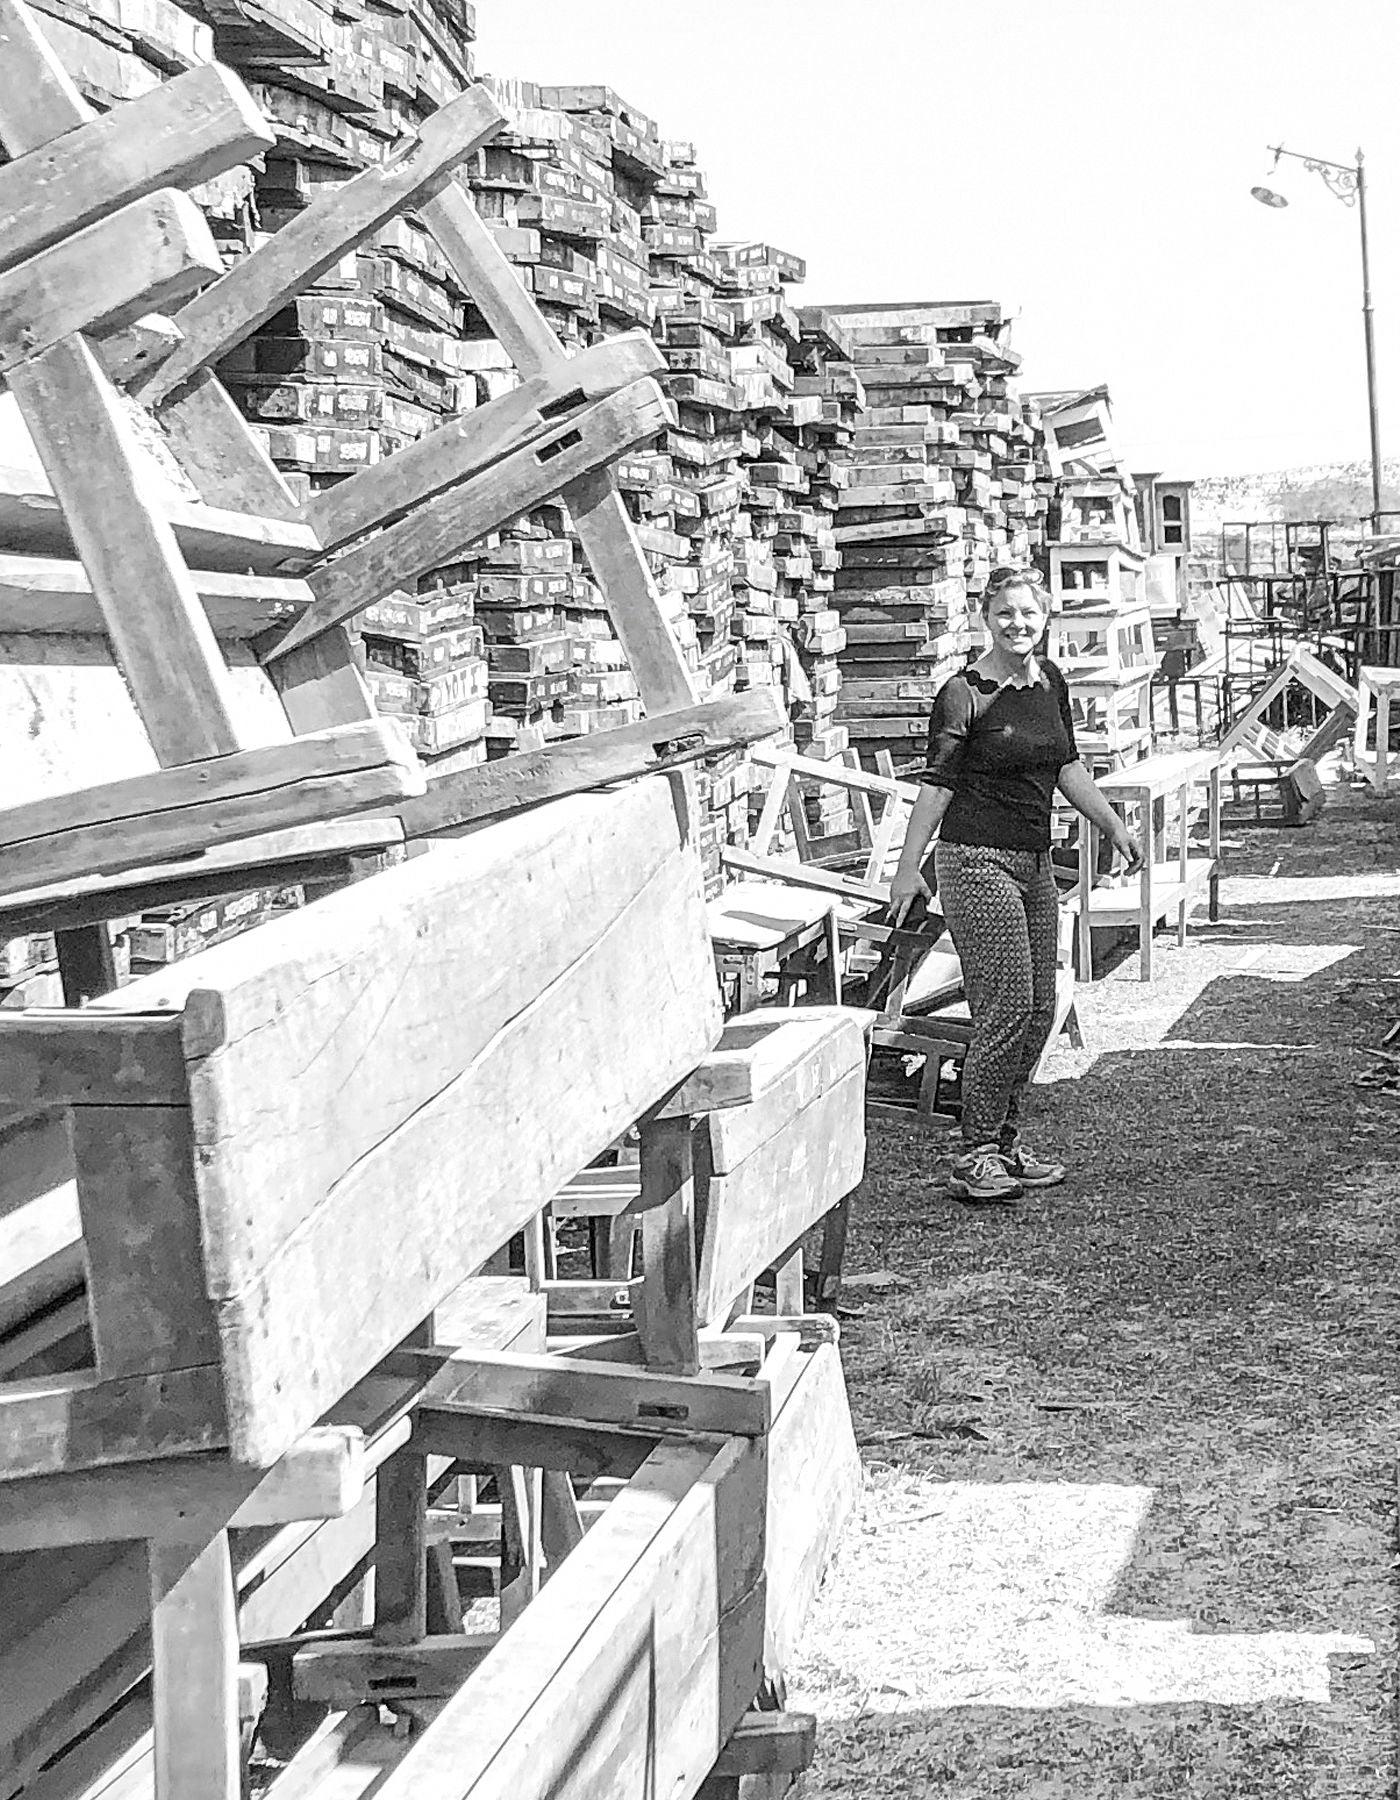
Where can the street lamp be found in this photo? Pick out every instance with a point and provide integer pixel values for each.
(1348, 182)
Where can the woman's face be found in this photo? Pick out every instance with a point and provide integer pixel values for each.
(1016, 619)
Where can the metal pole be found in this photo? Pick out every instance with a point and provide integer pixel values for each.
(1368, 321)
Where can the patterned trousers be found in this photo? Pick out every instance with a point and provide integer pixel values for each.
(1002, 908)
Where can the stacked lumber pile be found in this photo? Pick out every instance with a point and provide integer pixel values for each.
(947, 480)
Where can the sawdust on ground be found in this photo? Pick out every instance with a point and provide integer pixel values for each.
(1190, 1350)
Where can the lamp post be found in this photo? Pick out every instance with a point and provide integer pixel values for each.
(1348, 182)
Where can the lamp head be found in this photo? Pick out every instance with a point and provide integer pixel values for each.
(1267, 197)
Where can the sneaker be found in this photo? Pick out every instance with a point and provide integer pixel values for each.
(1028, 1169)
(981, 1175)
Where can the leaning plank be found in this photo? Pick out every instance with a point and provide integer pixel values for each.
(76, 1421)
(181, 133)
(778, 1192)
(533, 776)
(465, 445)
(34, 86)
(158, 630)
(441, 529)
(152, 253)
(629, 1672)
(595, 506)
(297, 255)
(191, 807)
(329, 850)
(42, 596)
(392, 1038)
(216, 448)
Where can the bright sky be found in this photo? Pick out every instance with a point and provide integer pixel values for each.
(1086, 162)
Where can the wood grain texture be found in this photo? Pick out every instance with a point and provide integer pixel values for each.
(391, 1038)
(623, 1676)
(150, 254)
(297, 255)
(153, 617)
(438, 531)
(757, 1211)
(666, 1303)
(214, 446)
(181, 133)
(38, 98)
(44, 596)
(773, 1053)
(530, 777)
(64, 1422)
(194, 1678)
(57, 1061)
(465, 445)
(192, 807)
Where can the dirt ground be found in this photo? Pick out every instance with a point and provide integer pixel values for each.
(1199, 1327)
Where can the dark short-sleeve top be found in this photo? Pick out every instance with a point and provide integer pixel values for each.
(1000, 749)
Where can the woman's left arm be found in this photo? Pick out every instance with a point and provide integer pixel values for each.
(1078, 787)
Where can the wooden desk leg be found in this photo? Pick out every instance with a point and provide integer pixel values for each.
(1149, 853)
(1382, 739)
(194, 1642)
(1084, 928)
(834, 1230)
(1183, 864)
(401, 1537)
(1363, 714)
(1214, 829)
(833, 955)
(667, 1300)
(790, 1297)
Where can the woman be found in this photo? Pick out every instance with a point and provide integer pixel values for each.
(1001, 740)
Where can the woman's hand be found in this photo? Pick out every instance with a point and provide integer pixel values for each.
(1127, 847)
(905, 889)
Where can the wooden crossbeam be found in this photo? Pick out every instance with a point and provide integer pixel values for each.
(467, 444)
(438, 531)
(461, 801)
(44, 596)
(181, 133)
(297, 255)
(151, 253)
(605, 531)
(147, 819)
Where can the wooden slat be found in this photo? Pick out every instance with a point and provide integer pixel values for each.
(666, 1304)
(194, 1643)
(606, 533)
(184, 132)
(531, 777)
(297, 255)
(57, 1061)
(772, 1049)
(35, 88)
(186, 809)
(158, 630)
(598, 1687)
(44, 596)
(57, 1424)
(377, 496)
(216, 448)
(152, 253)
(441, 529)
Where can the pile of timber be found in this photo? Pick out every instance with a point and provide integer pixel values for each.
(947, 479)
(246, 1438)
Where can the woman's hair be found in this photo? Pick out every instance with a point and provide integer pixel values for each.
(1003, 578)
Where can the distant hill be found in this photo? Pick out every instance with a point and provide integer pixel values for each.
(1339, 491)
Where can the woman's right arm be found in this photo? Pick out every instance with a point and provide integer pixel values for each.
(908, 882)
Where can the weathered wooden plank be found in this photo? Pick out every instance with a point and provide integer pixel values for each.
(666, 1302)
(465, 445)
(584, 1450)
(531, 777)
(601, 1393)
(631, 1669)
(184, 810)
(194, 1680)
(297, 255)
(605, 531)
(181, 133)
(35, 89)
(214, 446)
(58, 1423)
(158, 630)
(62, 1063)
(438, 531)
(295, 1103)
(778, 1743)
(43, 596)
(815, 1479)
(766, 1051)
(344, 1675)
(765, 1204)
(152, 253)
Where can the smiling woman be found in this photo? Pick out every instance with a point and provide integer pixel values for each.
(1001, 741)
